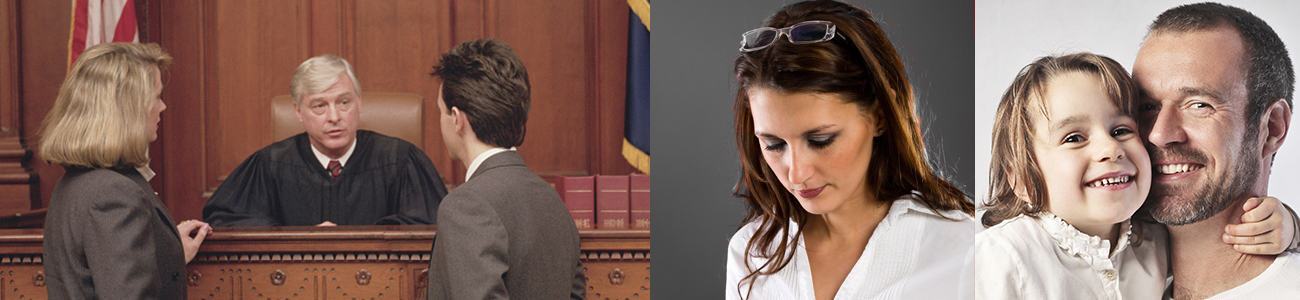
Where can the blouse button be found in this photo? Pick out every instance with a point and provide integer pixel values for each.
(1110, 274)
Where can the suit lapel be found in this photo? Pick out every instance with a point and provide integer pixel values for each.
(156, 203)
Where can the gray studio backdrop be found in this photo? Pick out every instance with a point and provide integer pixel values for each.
(693, 47)
(1013, 33)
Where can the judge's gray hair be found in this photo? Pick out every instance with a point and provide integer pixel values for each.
(319, 73)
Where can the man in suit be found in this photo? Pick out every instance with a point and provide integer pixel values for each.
(504, 232)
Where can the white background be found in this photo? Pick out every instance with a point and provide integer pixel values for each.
(1011, 34)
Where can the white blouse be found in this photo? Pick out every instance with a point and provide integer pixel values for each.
(1046, 258)
(913, 254)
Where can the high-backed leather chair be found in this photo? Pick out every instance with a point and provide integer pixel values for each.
(399, 115)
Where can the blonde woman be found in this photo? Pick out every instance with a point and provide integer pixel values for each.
(107, 235)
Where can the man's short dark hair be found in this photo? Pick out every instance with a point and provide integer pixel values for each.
(487, 80)
(1269, 75)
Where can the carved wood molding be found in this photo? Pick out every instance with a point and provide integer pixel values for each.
(617, 279)
(22, 282)
(301, 280)
(586, 255)
(363, 262)
(315, 257)
(616, 255)
(20, 259)
(19, 185)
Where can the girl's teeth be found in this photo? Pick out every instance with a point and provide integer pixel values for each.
(1110, 181)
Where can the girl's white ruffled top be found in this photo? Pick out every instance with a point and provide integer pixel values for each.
(1045, 258)
(913, 254)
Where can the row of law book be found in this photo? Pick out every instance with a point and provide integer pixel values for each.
(607, 201)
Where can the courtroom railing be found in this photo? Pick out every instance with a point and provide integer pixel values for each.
(361, 262)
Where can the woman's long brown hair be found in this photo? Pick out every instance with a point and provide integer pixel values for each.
(860, 66)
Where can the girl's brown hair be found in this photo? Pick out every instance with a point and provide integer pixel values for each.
(1014, 165)
(860, 66)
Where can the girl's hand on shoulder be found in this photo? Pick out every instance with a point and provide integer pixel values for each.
(1266, 228)
(192, 234)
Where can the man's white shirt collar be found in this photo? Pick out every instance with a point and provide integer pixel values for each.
(482, 157)
(325, 160)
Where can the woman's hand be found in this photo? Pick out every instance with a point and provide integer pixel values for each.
(199, 230)
(1266, 228)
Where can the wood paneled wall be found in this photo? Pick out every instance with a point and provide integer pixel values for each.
(19, 188)
(37, 41)
(231, 57)
(10, 89)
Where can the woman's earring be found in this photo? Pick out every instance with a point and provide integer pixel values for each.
(880, 131)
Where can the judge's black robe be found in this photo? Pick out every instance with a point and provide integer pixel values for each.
(385, 181)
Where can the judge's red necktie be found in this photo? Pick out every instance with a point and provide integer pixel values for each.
(334, 168)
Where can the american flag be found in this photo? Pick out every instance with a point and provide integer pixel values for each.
(100, 21)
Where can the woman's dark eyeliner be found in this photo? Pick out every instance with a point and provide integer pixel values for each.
(821, 141)
(774, 146)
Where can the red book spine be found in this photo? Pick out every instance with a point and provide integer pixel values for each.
(611, 202)
(578, 193)
(639, 198)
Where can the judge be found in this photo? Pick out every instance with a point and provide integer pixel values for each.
(505, 232)
(333, 174)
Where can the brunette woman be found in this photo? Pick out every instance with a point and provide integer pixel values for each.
(842, 202)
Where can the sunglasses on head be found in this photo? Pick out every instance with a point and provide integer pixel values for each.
(802, 33)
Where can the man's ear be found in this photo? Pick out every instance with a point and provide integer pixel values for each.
(1277, 121)
(458, 120)
(297, 110)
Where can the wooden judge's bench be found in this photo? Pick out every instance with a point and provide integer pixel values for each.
(348, 262)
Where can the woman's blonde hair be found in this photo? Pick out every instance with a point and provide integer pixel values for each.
(100, 118)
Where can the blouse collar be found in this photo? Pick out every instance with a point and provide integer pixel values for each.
(901, 206)
(1094, 250)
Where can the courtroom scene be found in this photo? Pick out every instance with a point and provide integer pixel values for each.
(324, 149)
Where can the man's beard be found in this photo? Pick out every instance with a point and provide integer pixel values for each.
(1177, 205)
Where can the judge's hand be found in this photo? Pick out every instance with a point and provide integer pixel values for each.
(326, 223)
(199, 230)
(1266, 228)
